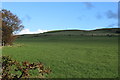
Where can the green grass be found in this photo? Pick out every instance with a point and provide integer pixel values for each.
(70, 56)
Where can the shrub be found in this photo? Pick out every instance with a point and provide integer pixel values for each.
(22, 67)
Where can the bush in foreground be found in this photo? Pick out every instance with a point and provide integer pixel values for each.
(24, 68)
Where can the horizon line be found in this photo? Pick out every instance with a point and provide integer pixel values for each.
(68, 30)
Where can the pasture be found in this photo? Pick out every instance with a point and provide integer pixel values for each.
(69, 56)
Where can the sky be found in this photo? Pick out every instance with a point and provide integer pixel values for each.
(60, 0)
(38, 17)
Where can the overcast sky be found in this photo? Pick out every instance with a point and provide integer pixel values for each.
(44, 16)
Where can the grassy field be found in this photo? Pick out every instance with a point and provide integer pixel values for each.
(69, 56)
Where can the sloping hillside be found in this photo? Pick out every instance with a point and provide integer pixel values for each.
(103, 32)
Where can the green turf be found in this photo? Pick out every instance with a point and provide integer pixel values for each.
(70, 56)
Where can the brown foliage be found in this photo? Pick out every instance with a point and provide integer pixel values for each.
(23, 68)
(10, 24)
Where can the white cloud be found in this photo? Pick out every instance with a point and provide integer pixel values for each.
(106, 27)
(115, 27)
(27, 31)
(98, 27)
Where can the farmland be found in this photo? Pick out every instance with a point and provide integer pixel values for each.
(69, 56)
